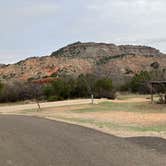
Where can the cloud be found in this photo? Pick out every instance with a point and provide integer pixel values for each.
(128, 19)
(36, 9)
(11, 56)
(39, 10)
(43, 26)
(150, 40)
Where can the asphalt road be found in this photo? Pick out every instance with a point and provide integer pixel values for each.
(30, 141)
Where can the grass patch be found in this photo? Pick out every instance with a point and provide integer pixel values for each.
(125, 107)
(89, 121)
(159, 128)
(27, 111)
(130, 96)
(12, 104)
(110, 125)
(35, 110)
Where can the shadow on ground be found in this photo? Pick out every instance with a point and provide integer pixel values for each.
(152, 143)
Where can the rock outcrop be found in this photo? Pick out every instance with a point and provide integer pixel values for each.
(81, 58)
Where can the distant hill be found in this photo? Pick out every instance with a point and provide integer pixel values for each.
(118, 62)
(2, 65)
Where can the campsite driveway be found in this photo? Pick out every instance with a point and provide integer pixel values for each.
(19, 107)
(35, 141)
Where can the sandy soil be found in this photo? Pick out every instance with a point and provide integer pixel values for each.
(132, 100)
(54, 110)
(127, 117)
(16, 108)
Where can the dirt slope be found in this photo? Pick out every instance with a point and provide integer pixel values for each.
(118, 62)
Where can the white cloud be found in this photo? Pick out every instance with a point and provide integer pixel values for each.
(131, 19)
(13, 56)
(39, 10)
(32, 9)
(39, 24)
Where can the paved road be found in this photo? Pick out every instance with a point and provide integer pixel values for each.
(30, 141)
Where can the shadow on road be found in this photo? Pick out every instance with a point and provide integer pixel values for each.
(153, 143)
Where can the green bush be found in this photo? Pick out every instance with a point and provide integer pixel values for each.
(104, 88)
(63, 88)
(82, 87)
(1, 87)
(54, 98)
(139, 82)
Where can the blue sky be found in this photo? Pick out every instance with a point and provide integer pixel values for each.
(39, 27)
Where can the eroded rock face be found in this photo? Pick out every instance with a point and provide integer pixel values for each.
(102, 49)
(139, 50)
(81, 58)
(1, 65)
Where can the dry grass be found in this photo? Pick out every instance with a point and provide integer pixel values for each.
(132, 117)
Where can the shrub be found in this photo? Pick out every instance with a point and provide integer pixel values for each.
(82, 87)
(104, 88)
(19, 91)
(138, 82)
(1, 87)
(63, 88)
(59, 89)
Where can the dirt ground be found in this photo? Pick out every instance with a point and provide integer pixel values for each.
(67, 111)
(115, 116)
(15, 108)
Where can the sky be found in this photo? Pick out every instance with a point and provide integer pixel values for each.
(39, 27)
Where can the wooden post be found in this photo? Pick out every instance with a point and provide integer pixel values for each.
(38, 104)
(151, 89)
(92, 98)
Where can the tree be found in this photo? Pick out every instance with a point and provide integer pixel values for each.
(138, 82)
(48, 90)
(20, 91)
(58, 90)
(1, 87)
(81, 88)
(86, 85)
(104, 88)
(141, 81)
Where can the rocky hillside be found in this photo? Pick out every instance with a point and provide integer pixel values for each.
(1, 65)
(118, 62)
